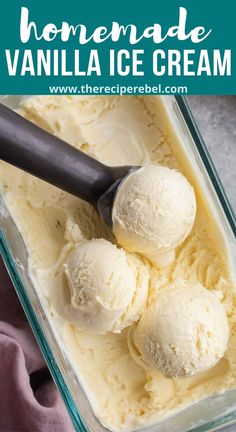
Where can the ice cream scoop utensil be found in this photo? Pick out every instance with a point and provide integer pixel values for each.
(30, 148)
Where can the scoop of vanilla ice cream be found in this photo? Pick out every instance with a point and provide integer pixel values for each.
(108, 287)
(184, 332)
(153, 211)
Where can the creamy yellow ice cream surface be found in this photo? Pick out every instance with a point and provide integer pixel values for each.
(107, 287)
(183, 333)
(154, 210)
(118, 131)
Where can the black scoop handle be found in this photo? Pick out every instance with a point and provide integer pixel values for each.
(36, 151)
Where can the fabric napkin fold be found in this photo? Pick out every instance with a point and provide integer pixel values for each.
(29, 399)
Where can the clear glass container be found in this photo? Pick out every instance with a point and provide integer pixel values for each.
(207, 415)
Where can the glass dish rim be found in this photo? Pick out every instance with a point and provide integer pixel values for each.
(75, 416)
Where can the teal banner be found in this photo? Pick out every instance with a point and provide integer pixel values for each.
(125, 47)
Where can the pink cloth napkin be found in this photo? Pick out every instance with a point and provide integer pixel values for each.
(29, 400)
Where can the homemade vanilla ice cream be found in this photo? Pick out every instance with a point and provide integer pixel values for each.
(108, 288)
(154, 210)
(183, 333)
(119, 319)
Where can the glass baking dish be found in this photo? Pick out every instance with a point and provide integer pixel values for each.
(207, 415)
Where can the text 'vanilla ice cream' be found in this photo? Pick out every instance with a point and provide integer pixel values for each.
(107, 292)
(154, 210)
(184, 332)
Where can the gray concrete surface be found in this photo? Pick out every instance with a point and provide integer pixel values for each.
(216, 119)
